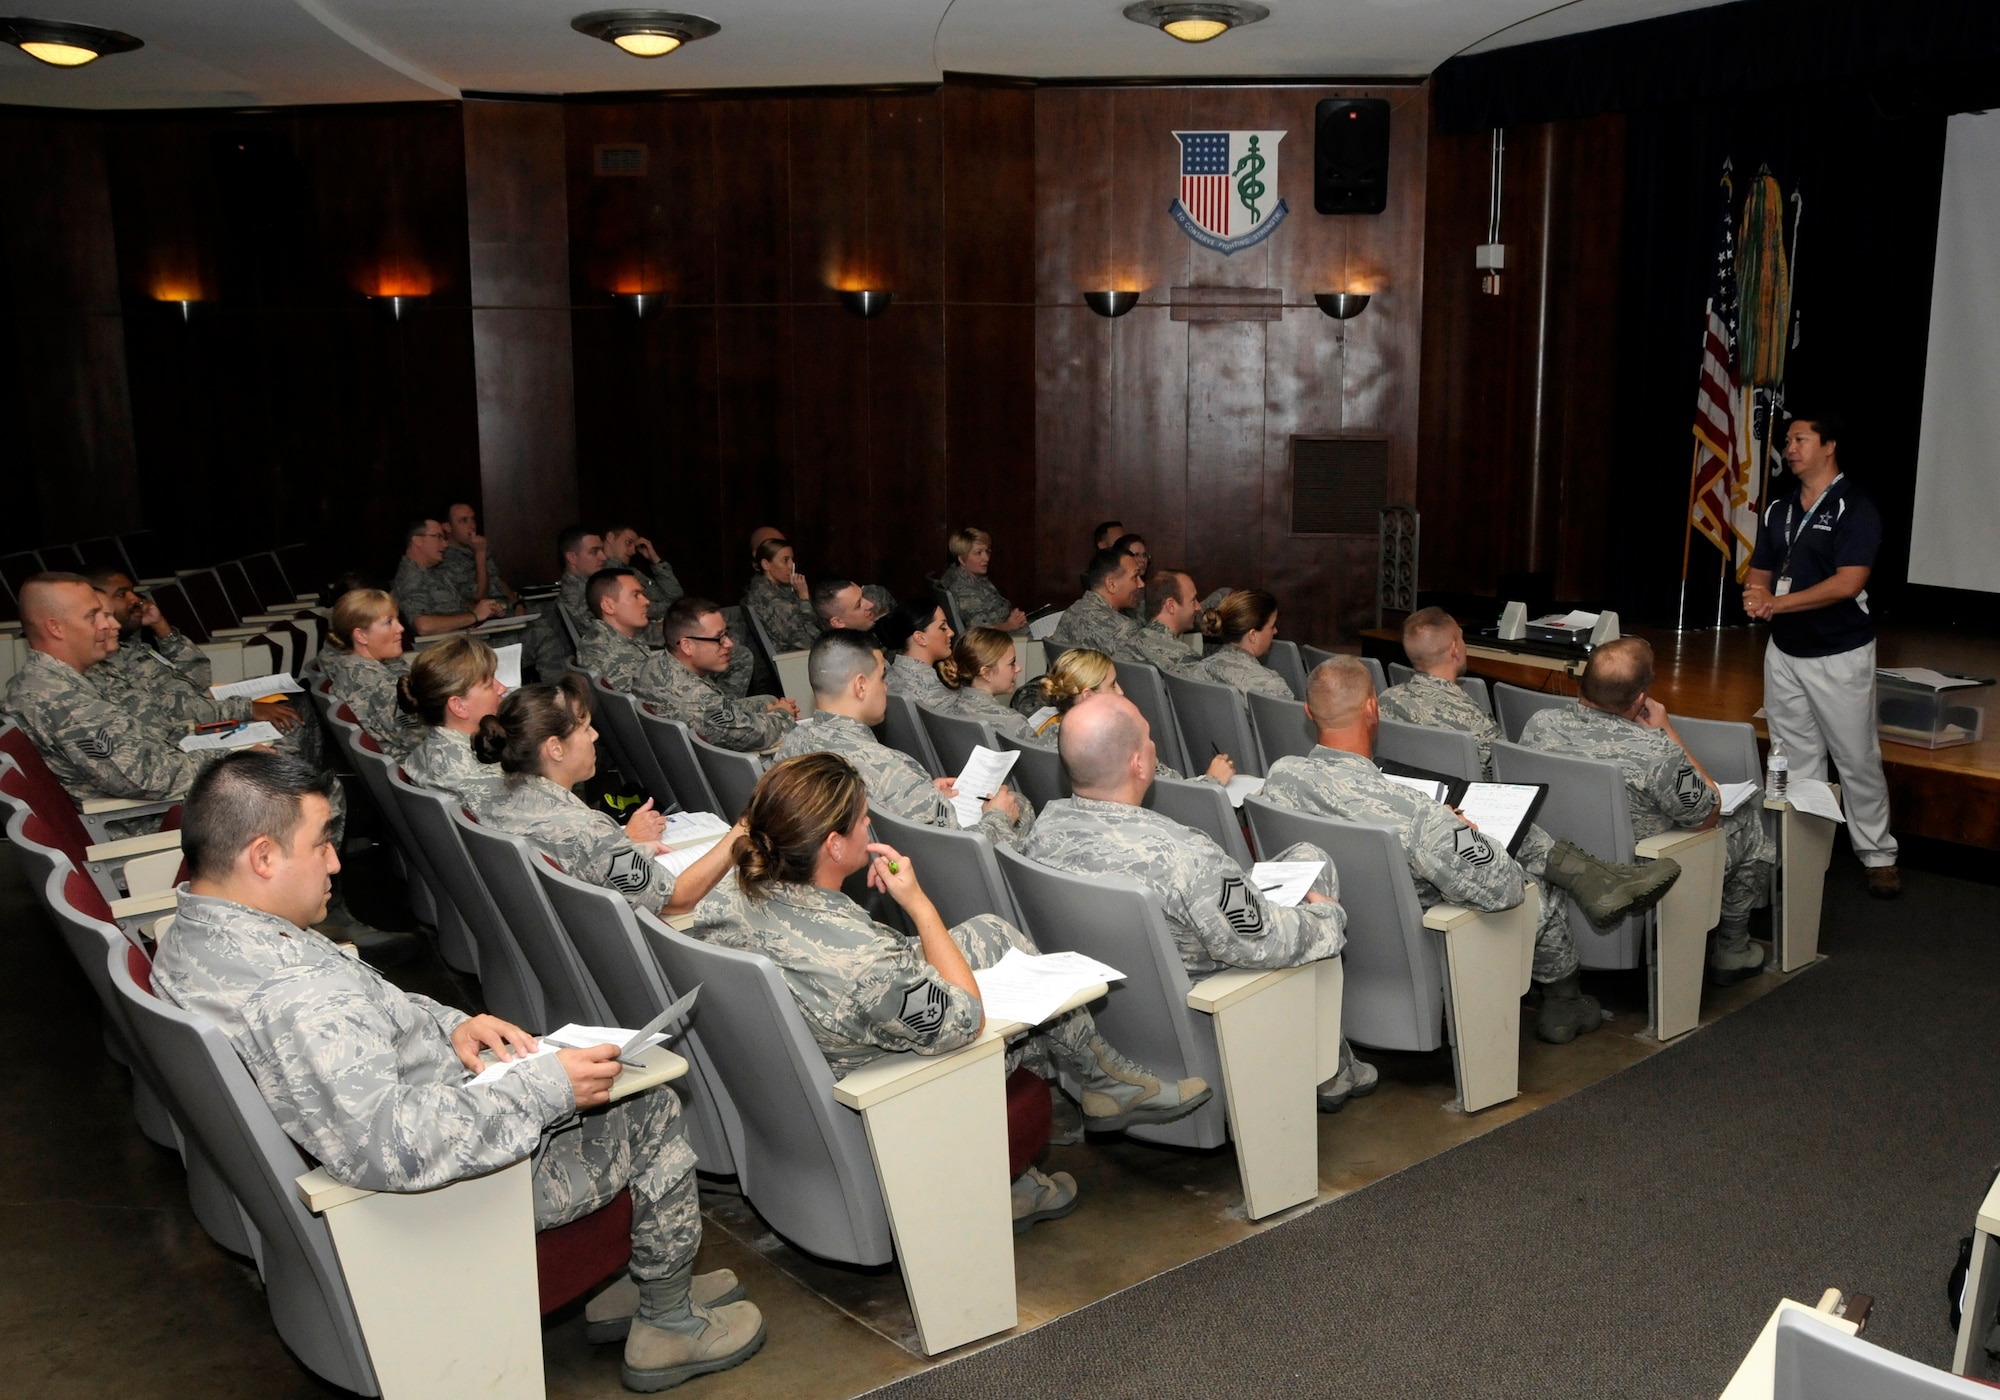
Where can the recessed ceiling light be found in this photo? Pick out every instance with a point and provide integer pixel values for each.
(63, 45)
(644, 33)
(1195, 21)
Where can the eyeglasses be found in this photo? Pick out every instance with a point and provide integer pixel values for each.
(719, 639)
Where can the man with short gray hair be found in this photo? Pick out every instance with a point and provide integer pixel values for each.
(378, 1083)
(1435, 644)
(1218, 916)
(1615, 721)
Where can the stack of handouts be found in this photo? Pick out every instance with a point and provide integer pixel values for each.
(689, 836)
(1028, 988)
(983, 776)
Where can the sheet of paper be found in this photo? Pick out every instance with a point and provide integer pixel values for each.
(1575, 620)
(968, 810)
(1029, 989)
(239, 738)
(1814, 798)
(1285, 882)
(503, 624)
(679, 859)
(509, 669)
(1924, 675)
(683, 827)
(1498, 809)
(1042, 628)
(1041, 717)
(1241, 786)
(1436, 792)
(500, 1069)
(257, 688)
(1734, 795)
(985, 771)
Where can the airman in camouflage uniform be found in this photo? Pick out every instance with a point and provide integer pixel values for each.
(970, 702)
(165, 680)
(96, 748)
(1236, 667)
(788, 619)
(463, 570)
(1162, 650)
(368, 687)
(587, 844)
(896, 782)
(1449, 861)
(620, 659)
(980, 603)
(1218, 915)
(1092, 622)
(365, 1077)
(680, 692)
(1437, 703)
(421, 592)
(1665, 790)
(662, 584)
(917, 681)
(444, 762)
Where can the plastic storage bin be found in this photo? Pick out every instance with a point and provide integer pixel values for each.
(1918, 712)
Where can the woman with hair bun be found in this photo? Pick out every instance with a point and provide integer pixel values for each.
(778, 594)
(916, 636)
(1246, 623)
(980, 602)
(366, 665)
(865, 991)
(543, 741)
(978, 676)
(1079, 672)
(451, 687)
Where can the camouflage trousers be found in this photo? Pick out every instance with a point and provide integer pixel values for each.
(642, 1143)
(1746, 869)
(1064, 1042)
(1555, 946)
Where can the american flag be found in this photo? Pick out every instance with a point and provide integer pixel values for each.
(1722, 481)
(1205, 178)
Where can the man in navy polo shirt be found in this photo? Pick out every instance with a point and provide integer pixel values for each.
(1809, 579)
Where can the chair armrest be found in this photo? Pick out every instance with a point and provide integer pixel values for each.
(1226, 989)
(1443, 918)
(1082, 997)
(236, 633)
(100, 806)
(898, 1074)
(320, 1193)
(1669, 843)
(661, 1065)
(140, 905)
(134, 846)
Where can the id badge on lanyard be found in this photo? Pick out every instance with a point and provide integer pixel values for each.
(1784, 583)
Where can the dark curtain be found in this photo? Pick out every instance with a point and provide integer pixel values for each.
(1870, 177)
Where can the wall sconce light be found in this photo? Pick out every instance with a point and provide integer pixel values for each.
(64, 45)
(1342, 306)
(644, 33)
(1109, 303)
(395, 305)
(867, 304)
(637, 305)
(1195, 21)
(183, 305)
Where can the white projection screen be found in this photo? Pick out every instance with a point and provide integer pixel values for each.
(1955, 532)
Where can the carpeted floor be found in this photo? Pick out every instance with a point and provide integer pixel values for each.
(1629, 1241)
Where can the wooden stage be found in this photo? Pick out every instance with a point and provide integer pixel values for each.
(1946, 794)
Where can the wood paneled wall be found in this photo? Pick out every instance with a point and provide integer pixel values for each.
(1183, 429)
(752, 397)
(1519, 389)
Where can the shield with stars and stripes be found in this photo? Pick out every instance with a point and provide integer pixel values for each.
(1228, 196)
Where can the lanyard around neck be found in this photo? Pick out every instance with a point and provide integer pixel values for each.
(1792, 537)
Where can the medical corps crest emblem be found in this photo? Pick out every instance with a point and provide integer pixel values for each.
(1229, 188)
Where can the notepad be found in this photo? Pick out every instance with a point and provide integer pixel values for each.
(1814, 798)
(257, 688)
(577, 1037)
(1030, 989)
(676, 861)
(1042, 628)
(1734, 795)
(685, 827)
(1241, 786)
(508, 671)
(1286, 882)
(984, 774)
(241, 737)
(1501, 811)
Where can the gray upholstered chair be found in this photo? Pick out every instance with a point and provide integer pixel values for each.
(901, 729)
(1203, 806)
(957, 868)
(954, 737)
(1285, 659)
(1446, 751)
(1144, 687)
(1514, 705)
(1283, 729)
(1214, 720)
(732, 776)
(673, 745)
(506, 864)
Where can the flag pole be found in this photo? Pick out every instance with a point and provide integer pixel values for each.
(1687, 539)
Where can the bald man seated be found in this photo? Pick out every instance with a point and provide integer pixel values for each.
(1450, 861)
(1435, 644)
(1218, 916)
(1615, 721)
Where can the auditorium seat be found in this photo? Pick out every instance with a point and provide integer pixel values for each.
(426, 891)
(1205, 806)
(1448, 751)
(1213, 720)
(1283, 728)
(673, 745)
(1261, 1040)
(1513, 706)
(901, 729)
(732, 776)
(788, 666)
(637, 762)
(1473, 686)
(1587, 805)
(954, 738)
(79, 831)
(605, 932)
(1144, 688)
(1316, 657)
(949, 602)
(506, 864)
(1038, 772)
(956, 867)
(1409, 970)
(1285, 659)
(914, 1171)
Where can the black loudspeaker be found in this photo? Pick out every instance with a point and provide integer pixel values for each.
(1351, 155)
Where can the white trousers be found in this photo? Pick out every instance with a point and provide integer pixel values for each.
(1818, 706)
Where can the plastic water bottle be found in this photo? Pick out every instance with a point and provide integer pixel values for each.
(1777, 771)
